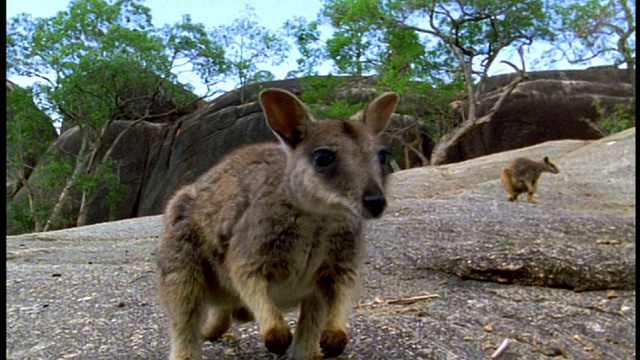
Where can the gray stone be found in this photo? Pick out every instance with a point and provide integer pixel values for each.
(549, 105)
(453, 269)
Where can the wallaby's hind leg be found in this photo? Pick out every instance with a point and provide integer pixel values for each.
(505, 177)
(181, 286)
(242, 315)
(217, 322)
(531, 190)
(181, 296)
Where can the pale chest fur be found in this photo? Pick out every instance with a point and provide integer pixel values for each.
(297, 251)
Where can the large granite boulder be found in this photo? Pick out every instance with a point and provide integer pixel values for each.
(194, 144)
(548, 105)
(131, 158)
(155, 159)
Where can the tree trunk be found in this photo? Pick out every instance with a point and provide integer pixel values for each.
(77, 171)
(453, 138)
(84, 209)
(32, 201)
(88, 198)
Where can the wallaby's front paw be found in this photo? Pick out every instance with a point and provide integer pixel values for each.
(216, 325)
(333, 342)
(278, 339)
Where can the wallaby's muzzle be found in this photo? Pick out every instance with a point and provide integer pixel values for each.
(374, 203)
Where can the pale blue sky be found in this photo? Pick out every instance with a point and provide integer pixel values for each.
(271, 14)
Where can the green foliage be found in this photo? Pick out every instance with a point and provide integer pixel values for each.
(320, 89)
(107, 175)
(403, 40)
(306, 36)
(191, 44)
(44, 186)
(98, 55)
(320, 93)
(354, 45)
(449, 45)
(403, 60)
(619, 118)
(29, 130)
(29, 133)
(471, 33)
(247, 44)
(596, 29)
(114, 196)
(340, 109)
(102, 60)
(22, 214)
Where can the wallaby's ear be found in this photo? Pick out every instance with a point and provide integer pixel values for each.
(284, 113)
(546, 159)
(379, 111)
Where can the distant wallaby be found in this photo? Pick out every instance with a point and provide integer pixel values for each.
(271, 227)
(521, 176)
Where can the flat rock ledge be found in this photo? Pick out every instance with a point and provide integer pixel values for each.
(453, 270)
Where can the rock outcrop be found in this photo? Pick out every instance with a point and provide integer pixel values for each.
(157, 158)
(548, 105)
(453, 269)
(151, 96)
(195, 144)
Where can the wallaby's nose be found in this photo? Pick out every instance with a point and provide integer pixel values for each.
(374, 204)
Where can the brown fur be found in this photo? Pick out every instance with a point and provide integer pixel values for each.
(274, 227)
(521, 176)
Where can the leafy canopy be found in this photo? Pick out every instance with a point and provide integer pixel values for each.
(111, 43)
(248, 44)
(596, 29)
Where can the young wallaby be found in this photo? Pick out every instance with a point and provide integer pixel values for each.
(521, 175)
(273, 227)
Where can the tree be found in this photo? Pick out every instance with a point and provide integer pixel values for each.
(438, 42)
(307, 39)
(353, 46)
(29, 132)
(102, 61)
(592, 29)
(248, 45)
(470, 35)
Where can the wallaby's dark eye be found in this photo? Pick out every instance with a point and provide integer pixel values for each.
(322, 158)
(383, 156)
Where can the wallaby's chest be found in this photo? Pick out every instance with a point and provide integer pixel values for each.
(296, 256)
(309, 242)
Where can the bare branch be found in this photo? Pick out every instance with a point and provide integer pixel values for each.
(418, 153)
